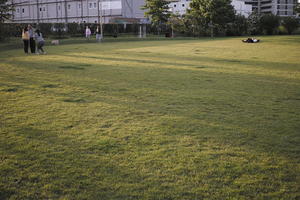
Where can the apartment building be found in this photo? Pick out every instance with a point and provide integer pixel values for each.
(180, 7)
(281, 8)
(126, 11)
(78, 11)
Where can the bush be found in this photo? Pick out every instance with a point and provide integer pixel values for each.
(45, 28)
(73, 29)
(10, 30)
(282, 30)
(269, 23)
(253, 23)
(59, 30)
(238, 27)
(290, 24)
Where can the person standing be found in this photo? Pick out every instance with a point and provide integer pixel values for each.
(25, 38)
(88, 32)
(40, 42)
(31, 39)
(98, 34)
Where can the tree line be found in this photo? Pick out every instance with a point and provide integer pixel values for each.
(216, 17)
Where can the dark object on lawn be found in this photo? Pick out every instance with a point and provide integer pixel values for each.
(251, 40)
(168, 35)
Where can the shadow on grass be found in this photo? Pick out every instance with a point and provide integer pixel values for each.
(254, 63)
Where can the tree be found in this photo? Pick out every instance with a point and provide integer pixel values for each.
(290, 24)
(254, 26)
(269, 23)
(297, 8)
(176, 22)
(213, 14)
(158, 12)
(5, 8)
(238, 27)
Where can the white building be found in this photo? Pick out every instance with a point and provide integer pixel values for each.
(79, 11)
(281, 8)
(124, 11)
(246, 7)
(179, 6)
(242, 8)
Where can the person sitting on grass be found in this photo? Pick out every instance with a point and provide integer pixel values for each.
(40, 42)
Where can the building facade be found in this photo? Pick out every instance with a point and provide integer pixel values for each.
(282, 8)
(242, 8)
(78, 11)
(180, 7)
(106, 11)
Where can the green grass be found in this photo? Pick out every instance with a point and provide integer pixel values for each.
(169, 119)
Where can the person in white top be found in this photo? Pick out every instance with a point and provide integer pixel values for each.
(88, 32)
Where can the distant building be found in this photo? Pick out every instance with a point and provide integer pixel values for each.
(78, 11)
(281, 8)
(92, 11)
(180, 7)
(242, 8)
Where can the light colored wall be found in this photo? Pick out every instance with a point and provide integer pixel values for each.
(242, 8)
(77, 10)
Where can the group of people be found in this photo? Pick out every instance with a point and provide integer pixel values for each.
(88, 33)
(33, 38)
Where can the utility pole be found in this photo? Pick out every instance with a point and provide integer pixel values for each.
(100, 18)
(38, 11)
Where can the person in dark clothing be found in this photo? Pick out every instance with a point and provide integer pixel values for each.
(251, 40)
(25, 38)
(31, 39)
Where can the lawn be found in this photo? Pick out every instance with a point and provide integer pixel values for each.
(181, 119)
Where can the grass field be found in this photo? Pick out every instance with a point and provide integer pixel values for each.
(169, 119)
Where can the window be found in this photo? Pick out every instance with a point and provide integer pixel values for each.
(90, 5)
(44, 9)
(79, 6)
(183, 5)
(23, 10)
(41, 9)
(174, 5)
(58, 7)
(69, 6)
(18, 10)
(95, 5)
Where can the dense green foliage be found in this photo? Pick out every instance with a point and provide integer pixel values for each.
(5, 9)
(214, 14)
(290, 23)
(169, 119)
(238, 27)
(297, 7)
(269, 23)
(254, 27)
(158, 12)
